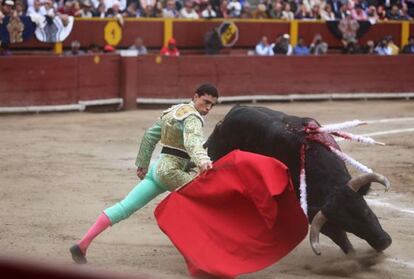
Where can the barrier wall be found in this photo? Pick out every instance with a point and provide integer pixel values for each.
(243, 75)
(190, 33)
(53, 80)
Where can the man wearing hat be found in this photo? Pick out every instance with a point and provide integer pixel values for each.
(7, 7)
(170, 49)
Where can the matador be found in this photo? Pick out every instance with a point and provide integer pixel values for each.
(182, 158)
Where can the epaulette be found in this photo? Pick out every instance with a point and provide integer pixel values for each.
(185, 110)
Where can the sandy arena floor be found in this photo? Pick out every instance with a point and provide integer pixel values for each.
(59, 171)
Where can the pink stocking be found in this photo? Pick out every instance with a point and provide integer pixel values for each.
(101, 224)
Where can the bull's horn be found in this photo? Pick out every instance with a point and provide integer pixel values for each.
(357, 182)
(318, 221)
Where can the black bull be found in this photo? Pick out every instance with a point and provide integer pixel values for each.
(335, 199)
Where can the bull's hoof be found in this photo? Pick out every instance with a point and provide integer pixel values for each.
(77, 255)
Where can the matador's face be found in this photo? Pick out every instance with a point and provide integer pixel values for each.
(203, 104)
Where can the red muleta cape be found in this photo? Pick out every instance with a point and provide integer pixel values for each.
(239, 217)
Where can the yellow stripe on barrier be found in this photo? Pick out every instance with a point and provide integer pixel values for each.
(58, 48)
(168, 30)
(405, 32)
(294, 26)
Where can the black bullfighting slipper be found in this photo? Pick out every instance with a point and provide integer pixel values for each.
(77, 255)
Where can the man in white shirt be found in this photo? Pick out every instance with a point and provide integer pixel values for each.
(36, 9)
(263, 48)
(188, 10)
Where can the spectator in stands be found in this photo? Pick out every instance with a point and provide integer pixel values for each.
(94, 48)
(158, 9)
(351, 48)
(381, 12)
(75, 49)
(409, 48)
(277, 11)
(372, 15)
(387, 4)
(410, 7)
(263, 48)
(149, 11)
(19, 8)
(109, 49)
(188, 10)
(115, 12)
(358, 13)
(50, 8)
(216, 6)
(368, 48)
(139, 46)
(394, 48)
(282, 45)
(348, 27)
(145, 3)
(336, 7)
(394, 13)
(301, 48)
(36, 9)
(234, 8)
(260, 12)
(86, 9)
(382, 48)
(67, 8)
(212, 42)
(269, 6)
(287, 13)
(316, 12)
(327, 13)
(100, 11)
(7, 7)
(404, 12)
(246, 11)
(222, 12)
(170, 11)
(318, 46)
(170, 49)
(4, 48)
(343, 12)
(303, 12)
(208, 12)
(293, 5)
(131, 10)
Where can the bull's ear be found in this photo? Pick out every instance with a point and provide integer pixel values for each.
(364, 189)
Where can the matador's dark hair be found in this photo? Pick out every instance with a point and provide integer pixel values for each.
(207, 89)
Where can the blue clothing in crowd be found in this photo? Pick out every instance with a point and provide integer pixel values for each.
(301, 50)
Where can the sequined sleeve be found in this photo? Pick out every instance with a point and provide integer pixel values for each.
(148, 142)
(194, 139)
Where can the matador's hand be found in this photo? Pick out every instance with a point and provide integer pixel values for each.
(141, 172)
(205, 166)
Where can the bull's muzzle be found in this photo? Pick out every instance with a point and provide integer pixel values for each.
(381, 243)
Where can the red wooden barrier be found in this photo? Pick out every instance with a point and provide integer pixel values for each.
(53, 80)
(243, 75)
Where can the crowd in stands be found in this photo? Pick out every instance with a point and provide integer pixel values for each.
(282, 46)
(370, 10)
(348, 13)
